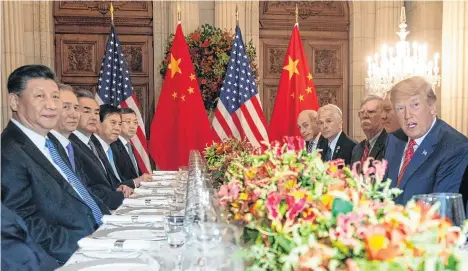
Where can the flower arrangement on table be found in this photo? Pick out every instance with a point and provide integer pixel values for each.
(300, 213)
(210, 48)
(219, 156)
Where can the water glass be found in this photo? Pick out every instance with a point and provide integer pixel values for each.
(174, 228)
(451, 205)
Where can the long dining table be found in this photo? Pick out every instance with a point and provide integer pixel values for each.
(133, 237)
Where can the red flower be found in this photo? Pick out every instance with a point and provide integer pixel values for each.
(203, 82)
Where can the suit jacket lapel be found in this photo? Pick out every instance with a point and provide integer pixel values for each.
(423, 152)
(338, 146)
(103, 157)
(126, 155)
(379, 144)
(62, 152)
(395, 161)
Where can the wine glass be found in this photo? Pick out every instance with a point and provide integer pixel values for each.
(451, 205)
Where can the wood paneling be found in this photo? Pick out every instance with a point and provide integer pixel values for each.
(324, 31)
(81, 30)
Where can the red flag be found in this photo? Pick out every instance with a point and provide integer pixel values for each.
(296, 91)
(180, 123)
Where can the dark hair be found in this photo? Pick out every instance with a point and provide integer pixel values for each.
(62, 86)
(106, 110)
(18, 79)
(84, 93)
(127, 110)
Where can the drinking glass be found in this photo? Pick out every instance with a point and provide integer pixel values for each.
(174, 228)
(451, 205)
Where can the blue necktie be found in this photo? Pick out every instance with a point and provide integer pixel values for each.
(110, 155)
(71, 156)
(75, 182)
(329, 155)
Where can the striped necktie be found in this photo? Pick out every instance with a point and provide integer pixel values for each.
(75, 182)
(310, 146)
(132, 156)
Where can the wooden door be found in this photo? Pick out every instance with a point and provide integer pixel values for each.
(81, 30)
(324, 31)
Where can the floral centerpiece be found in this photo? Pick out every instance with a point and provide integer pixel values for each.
(219, 156)
(210, 48)
(300, 213)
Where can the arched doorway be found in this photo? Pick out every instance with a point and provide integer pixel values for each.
(324, 30)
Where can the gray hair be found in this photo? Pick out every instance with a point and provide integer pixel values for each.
(334, 108)
(371, 97)
(62, 86)
(84, 93)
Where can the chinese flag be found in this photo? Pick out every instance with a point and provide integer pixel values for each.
(180, 123)
(296, 91)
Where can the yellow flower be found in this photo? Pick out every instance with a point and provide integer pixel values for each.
(250, 173)
(376, 242)
(242, 196)
(289, 184)
(327, 200)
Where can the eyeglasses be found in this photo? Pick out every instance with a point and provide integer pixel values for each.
(369, 113)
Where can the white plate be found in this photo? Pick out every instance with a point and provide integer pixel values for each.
(142, 211)
(113, 265)
(132, 233)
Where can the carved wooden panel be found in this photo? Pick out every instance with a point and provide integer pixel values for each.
(313, 15)
(323, 29)
(81, 32)
(90, 87)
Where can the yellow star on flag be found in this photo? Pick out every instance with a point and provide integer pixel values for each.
(183, 98)
(301, 97)
(309, 90)
(292, 67)
(192, 76)
(174, 66)
(309, 76)
(190, 90)
(174, 95)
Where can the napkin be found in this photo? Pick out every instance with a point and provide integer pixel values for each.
(156, 184)
(131, 218)
(163, 177)
(164, 172)
(89, 243)
(144, 202)
(142, 191)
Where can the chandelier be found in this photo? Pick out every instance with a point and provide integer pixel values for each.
(390, 66)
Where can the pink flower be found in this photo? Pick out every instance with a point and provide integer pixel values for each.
(300, 142)
(290, 142)
(273, 202)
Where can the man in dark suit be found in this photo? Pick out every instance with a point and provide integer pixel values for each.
(310, 132)
(122, 148)
(426, 155)
(87, 126)
(371, 123)
(108, 132)
(36, 183)
(335, 144)
(19, 251)
(73, 156)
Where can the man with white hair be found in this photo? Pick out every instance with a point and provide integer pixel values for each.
(337, 144)
(376, 136)
(426, 155)
(310, 132)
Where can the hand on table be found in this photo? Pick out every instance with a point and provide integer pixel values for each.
(127, 191)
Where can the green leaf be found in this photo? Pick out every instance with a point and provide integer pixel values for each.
(341, 206)
(284, 243)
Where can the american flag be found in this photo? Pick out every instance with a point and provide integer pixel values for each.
(115, 88)
(239, 112)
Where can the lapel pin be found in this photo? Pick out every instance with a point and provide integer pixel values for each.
(424, 152)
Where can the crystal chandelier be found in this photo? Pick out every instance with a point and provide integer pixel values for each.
(390, 66)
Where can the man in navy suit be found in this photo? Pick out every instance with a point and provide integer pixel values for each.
(73, 156)
(123, 149)
(426, 155)
(334, 143)
(310, 132)
(19, 251)
(376, 136)
(36, 183)
(108, 132)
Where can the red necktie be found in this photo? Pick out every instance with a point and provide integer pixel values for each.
(366, 152)
(408, 155)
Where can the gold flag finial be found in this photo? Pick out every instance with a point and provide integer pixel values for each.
(237, 16)
(297, 14)
(178, 13)
(111, 8)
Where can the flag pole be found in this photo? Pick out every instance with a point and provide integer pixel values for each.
(237, 16)
(111, 8)
(297, 15)
(179, 19)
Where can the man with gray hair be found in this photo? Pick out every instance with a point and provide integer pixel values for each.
(376, 136)
(337, 144)
(426, 155)
(310, 132)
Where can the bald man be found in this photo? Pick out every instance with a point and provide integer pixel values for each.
(310, 132)
(337, 144)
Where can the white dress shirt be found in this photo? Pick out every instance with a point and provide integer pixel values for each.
(332, 145)
(124, 142)
(106, 148)
(84, 138)
(418, 142)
